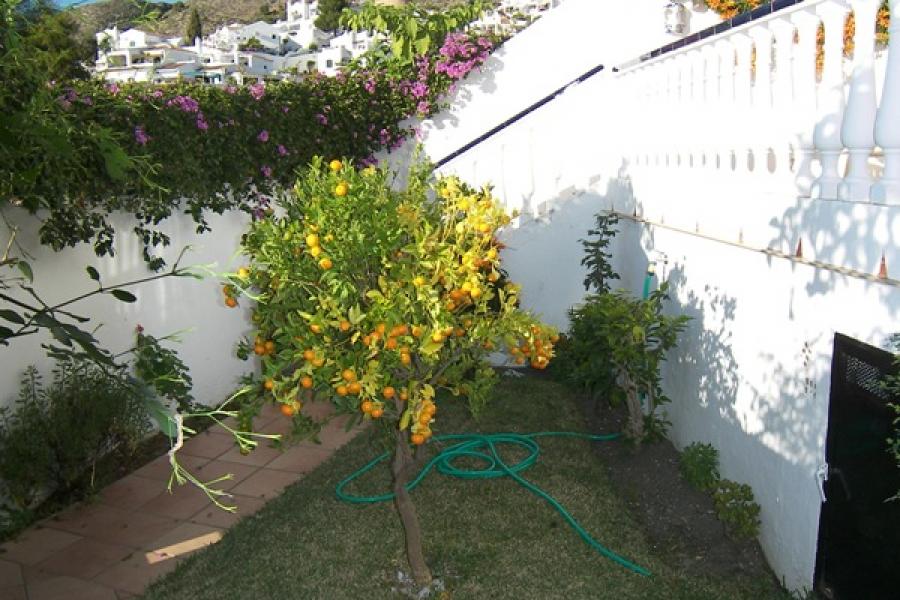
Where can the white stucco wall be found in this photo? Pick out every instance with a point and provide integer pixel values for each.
(751, 374)
(211, 330)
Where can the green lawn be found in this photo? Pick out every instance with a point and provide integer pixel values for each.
(486, 539)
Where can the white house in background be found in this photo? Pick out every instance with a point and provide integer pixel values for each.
(511, 16)
(356, 43)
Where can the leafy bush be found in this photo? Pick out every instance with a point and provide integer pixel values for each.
(736, 508)
(699, 465)
(616, 345)
(596, 258)
(57, 433)
(81, 151)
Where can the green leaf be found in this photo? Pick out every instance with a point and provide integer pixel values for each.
(423, 44)
(5, 332)
(26, 270)
(92, 273)
(12, 316)
(161, 416)
(123, 295)
(412, 28)
(404, 420)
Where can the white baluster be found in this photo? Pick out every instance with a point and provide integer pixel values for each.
(725, 110)
(858, 129)
(827, 135)
(709, 120)
(680, 128)
(783, 92)
(694, 111)
(804, 113)
(743, 101)
(887, 125)
(762, 132)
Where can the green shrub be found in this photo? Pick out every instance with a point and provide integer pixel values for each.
(52, 439)
(699, 465)
(737, 509)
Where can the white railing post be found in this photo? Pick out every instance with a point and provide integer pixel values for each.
(858, 129)
(783, 91)
(887, 124)
(743, 102)
(805, 105)
(726, 117)
(762, 134)
(827, 134)
(693, 114)
(712, 110)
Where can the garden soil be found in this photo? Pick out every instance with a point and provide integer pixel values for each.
(680, 522)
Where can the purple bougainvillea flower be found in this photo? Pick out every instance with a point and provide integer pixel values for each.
(263, 136)
(140, 136)
(112, 88)
(282, 151)
(266, 170)
(202, 125)
(322, 119)
(257, 91)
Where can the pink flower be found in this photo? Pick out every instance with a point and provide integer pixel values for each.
(112, 88)
(263, 136)
(229, 89)
(266, 170)
(322, 119)
(369, 85)
(257, 91)
(285, 109)
(157, 93)
(202, 125)
(140, 136)
(282, 151)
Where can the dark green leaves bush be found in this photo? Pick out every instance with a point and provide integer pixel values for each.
(699, 464)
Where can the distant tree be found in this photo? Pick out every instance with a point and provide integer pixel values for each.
(194, 28)
(329, 18)
(49, 36)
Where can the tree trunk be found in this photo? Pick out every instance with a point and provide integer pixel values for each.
(401, 468)
(635, 414)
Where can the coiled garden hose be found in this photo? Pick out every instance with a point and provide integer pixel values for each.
(483, 448)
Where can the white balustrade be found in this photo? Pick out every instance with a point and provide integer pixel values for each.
(827, 136)
(747, 101)
(887, 124)
(858, 129)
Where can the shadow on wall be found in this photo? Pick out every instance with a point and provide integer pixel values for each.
(483, 80)
(854, 235)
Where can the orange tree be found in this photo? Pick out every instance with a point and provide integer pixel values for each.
(377, 298)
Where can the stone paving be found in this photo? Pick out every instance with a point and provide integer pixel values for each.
(135, 530)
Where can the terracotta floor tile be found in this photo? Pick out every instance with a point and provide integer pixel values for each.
(10, 574)
(114, 525)
(181, 541)
(318, 410)
(208, 445)
(184, 501)
(333, 435)
(258, 457)
(135, 574)
(123, 595)
(13, 593)
(302, 458)
(131, 492)
(216, 517)
(265, 483)
(84, 559)
(36, 544)
(161, 470)
(70, 588)
(219, 468)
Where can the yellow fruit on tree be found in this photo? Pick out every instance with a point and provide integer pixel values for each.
(312, 240)
(325, 263)
(341, 189)
(335, 165)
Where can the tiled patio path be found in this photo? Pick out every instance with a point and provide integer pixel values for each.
(136, 531)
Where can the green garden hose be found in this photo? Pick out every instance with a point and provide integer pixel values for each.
(483, 448)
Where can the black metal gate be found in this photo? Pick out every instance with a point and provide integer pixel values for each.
(859, 528)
